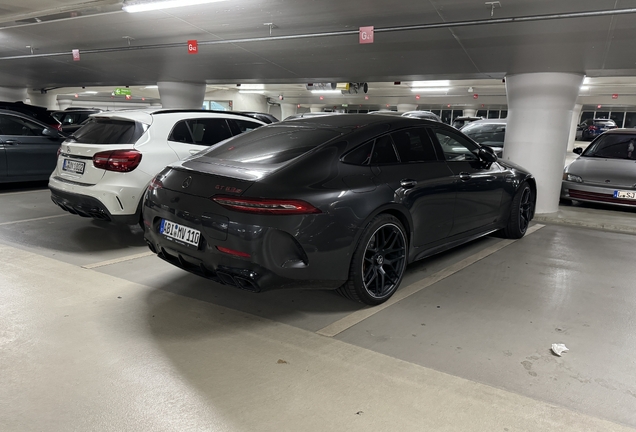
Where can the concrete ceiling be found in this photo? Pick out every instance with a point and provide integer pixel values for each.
(597, 46)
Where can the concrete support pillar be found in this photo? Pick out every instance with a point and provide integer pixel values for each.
(46, 100)
(406, 107)
(315, 109)
(540, 108)
(64, 103)
(12, 94)
(576, 114)
(470, 112)
(286, 110)
(181, 95)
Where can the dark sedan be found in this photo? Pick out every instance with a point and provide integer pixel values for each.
(28, 148)
(341, 202)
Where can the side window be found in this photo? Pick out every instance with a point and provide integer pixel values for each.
(454, 147)
(10, 125)
(383, 151)
(360, 155)
(181, 133)
(208, 131)
(240, 126)
(414, 145)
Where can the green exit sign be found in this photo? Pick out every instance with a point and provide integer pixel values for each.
(122, 92)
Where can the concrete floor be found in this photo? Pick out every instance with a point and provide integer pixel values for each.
(98, 334)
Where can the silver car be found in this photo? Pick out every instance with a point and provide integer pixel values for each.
(605, 172)
(489, 132)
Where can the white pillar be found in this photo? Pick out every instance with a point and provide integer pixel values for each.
(406, 107)
(315, 109)
(181, 95)
(540, 107)
(576, 114)
(12, 94)
(64, 103)
(46, 100)
(286, 110)
(470, 112)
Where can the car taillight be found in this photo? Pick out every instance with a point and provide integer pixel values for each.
(56, 126)
(155, 184)
(593, 128)
(117, 160)
(233, 252)
(265, 206)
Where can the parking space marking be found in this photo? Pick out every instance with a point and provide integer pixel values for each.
(23, 192)
(118, 260)
(34, 219)
(356, 317)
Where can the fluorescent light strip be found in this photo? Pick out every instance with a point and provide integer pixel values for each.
(584, 88)
(165, 4)
(438, 83)
(252, 91)
(430, 89)
(326, 91)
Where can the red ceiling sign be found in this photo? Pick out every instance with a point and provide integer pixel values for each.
(614, 96)
(366, 35)
(76, 55)
(475, 96)
(193, 47)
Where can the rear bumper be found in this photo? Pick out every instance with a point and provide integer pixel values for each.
(87, 206)
(594, 194)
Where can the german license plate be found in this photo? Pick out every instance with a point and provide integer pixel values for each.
(73, 166)
(625, 194)
(179, 232)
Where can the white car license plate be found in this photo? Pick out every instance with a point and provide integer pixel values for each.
(73, 166)
(625, 194)
(180, 232)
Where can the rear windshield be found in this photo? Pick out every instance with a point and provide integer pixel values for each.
(271, 145)
(487, 134)
(107, 131)
(614, 146)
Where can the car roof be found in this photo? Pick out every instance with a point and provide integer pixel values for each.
(621, 131)
(146, 115)
(490, 121)
(357, 121)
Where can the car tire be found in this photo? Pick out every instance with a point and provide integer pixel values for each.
(521, 212)
(378, 263)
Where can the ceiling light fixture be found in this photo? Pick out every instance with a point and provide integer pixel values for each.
(132, 6)
(438, 83)
(90, 92)
(151, 87)
(430, 89)
(326, 91)
(252, 91)
(252, 87)
(584, 88)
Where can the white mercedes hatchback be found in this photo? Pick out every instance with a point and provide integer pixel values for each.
(104, 168)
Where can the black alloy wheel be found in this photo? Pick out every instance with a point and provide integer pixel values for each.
(379, 262)
(521, 212)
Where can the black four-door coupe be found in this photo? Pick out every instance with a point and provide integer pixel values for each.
(340, 202)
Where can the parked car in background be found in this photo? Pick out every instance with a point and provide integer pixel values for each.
(605, 172)
(312, 114)
(386, 112)
(28, 148)
(264, 117)
(423, 115)
(342, 202)
(74, 116)
(461, 121)
(489, 132)
(104, 168)
(592, 128)
(39, 113)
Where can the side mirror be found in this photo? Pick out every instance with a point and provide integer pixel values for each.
(51, 133)
(578, 150)
(487, 154)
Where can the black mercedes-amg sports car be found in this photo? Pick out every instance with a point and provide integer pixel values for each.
(334, 202)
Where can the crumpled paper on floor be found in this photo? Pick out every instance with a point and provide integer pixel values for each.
(559, 349)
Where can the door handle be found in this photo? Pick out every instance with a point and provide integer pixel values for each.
(408, 183)
(463, 176)
(11, 142)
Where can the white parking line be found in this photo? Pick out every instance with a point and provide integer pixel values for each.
(118, 260)
(23, 192)
(34, 219)
(358, 316)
